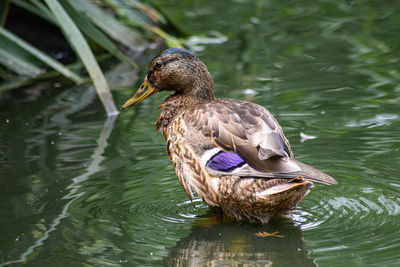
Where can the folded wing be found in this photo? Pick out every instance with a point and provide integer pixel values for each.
(250, 142)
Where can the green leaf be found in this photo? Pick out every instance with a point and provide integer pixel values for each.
(93, 33)
(36, 8)
(4, 6)
(40, 55)
(18, 64)
(14, 82)
(76, 39)
(129, 12)
(108, 24)
(170, 40)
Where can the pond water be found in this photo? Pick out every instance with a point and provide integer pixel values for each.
(79, 190)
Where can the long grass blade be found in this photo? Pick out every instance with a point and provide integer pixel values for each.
(81, 47)
(42, 10)
(18, 64)
(35, 7)
(14, 82)
(108, 24)
(40, 55)
(4, 6)
(129, 12)
(170, 40)
(93, 33)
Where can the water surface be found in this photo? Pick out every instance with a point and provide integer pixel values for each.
(76, 189)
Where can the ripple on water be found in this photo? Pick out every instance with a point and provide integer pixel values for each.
(351, 209)
(171, 211)
(354, 225)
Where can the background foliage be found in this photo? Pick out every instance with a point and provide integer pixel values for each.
(115, 28)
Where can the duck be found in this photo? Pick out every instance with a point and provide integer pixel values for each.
(231, 153)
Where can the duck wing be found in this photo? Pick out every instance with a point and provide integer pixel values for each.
(246, 141)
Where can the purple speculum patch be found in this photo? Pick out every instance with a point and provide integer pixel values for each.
(225, 161)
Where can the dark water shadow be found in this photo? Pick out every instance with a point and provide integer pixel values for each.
(213, 243)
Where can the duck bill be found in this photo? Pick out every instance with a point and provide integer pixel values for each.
(144, 91)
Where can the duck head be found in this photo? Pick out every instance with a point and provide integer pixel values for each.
(177, 70)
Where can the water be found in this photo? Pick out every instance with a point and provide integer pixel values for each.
(78, 190)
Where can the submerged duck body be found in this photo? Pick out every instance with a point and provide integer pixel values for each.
(231, 153)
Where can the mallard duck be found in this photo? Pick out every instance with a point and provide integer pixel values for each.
(231, 153)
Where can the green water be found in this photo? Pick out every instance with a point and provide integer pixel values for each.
(77, 190)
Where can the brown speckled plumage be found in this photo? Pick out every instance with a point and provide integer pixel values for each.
(198, 127)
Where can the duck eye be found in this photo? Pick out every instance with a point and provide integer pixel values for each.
(158, 65)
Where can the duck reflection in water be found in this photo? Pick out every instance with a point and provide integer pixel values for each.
(216, 245)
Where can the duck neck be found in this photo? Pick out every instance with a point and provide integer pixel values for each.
(201, 88)
(174, 105)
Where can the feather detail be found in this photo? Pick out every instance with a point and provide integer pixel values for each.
(254, 135)
(191, 173)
